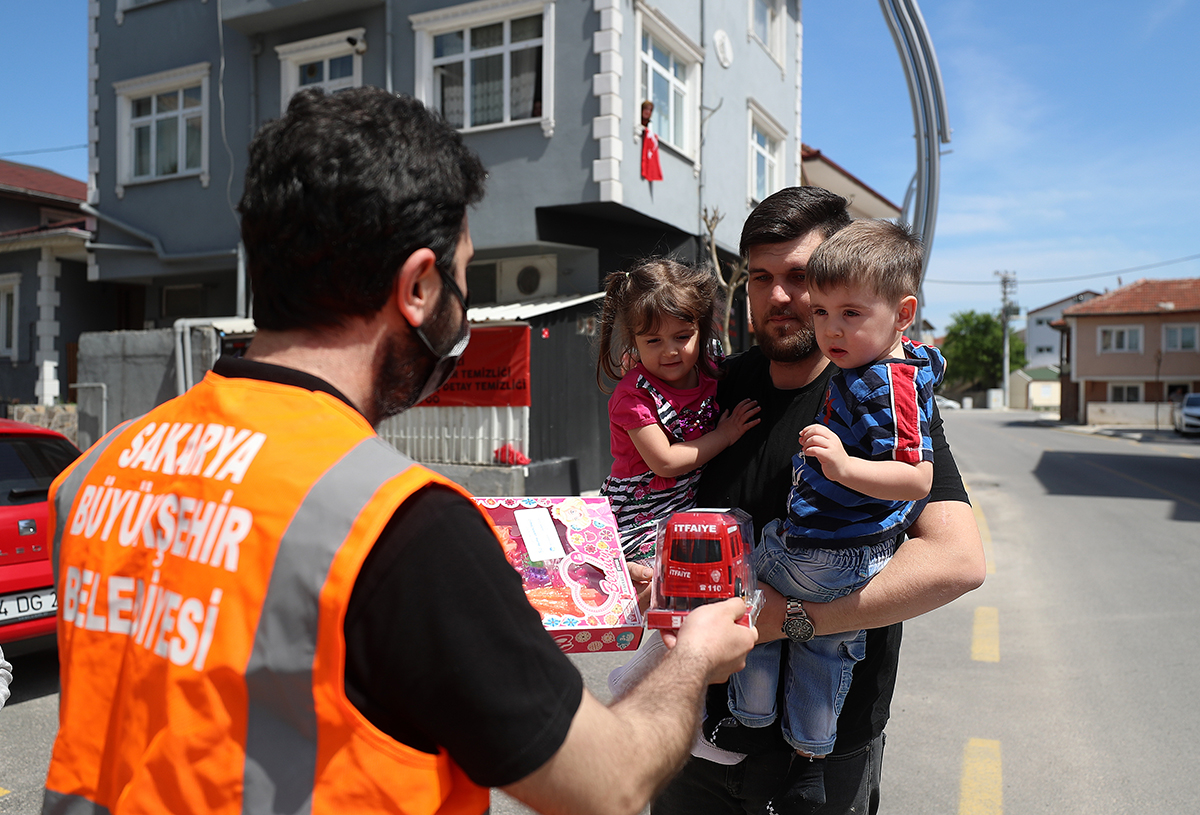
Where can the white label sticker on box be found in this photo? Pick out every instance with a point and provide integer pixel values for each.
(540, 536)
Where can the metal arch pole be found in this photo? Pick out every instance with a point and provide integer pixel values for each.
(908, 63)
(935, 71)
(926, 141)
(901, 36)
(937, 131)
(927, 95)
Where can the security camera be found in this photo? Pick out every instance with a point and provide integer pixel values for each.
(359, 45)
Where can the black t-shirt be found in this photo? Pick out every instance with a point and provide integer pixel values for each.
(443, 651)
(755, 474)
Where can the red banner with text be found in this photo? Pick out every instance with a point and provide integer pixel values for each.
(493, 371)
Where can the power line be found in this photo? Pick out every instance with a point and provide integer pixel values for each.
(44, 150)
(1026, 282)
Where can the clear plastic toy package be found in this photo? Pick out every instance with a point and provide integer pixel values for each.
(703, 556)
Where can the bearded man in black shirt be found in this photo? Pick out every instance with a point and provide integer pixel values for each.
(741, 770)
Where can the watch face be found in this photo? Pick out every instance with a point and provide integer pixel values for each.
(798, 629)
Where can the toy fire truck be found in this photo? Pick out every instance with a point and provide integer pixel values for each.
(703, 557)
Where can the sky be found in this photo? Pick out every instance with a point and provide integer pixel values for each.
(1075, 150)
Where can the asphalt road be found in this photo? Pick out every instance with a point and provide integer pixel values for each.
(1065, 684)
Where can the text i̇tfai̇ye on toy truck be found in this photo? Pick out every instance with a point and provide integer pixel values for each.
(703, 556)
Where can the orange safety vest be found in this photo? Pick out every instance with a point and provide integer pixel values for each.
(205, 557)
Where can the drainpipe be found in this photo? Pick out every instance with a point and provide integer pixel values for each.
(387, 45)
(241, 280)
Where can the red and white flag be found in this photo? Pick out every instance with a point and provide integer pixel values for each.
(651, 167)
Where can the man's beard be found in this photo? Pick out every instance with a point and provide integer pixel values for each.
(795, 346)
(405, 364)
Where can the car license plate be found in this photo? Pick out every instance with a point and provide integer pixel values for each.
(27, 605)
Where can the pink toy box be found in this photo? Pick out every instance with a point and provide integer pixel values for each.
(568, 552)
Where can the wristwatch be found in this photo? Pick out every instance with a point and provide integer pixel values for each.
(796, 626)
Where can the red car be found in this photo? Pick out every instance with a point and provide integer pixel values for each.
(30, 458)
(703, 556)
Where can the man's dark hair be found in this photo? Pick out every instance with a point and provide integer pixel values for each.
(791, 214)
(340, 191)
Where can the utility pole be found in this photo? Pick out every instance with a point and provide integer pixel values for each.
(1008, 286)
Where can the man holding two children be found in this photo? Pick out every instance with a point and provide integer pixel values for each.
(787, 376)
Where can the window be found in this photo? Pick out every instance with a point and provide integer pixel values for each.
(766, 148)
(1045, 349)
(1121, 340)
(668, 76)
(162, 126)
(10, 299)
(664, 82)
(1124, 393)
(332, 62)
(766, 152)
(1180, 337)
(766, 26)
(28, 464)
(487, 64)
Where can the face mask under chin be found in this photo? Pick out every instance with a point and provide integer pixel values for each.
(445, 361)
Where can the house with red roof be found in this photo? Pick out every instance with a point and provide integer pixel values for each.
(43, 255)
(1131, 349)
(818, 170)
(49, 293)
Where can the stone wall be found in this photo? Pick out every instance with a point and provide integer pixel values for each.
(63, 418)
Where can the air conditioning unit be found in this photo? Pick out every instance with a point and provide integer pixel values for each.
(526, 278)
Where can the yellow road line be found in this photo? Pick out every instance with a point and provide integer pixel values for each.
(4, 792)
(985, 637)
(980, 792)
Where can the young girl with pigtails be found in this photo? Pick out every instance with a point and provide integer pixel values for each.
(658, 317)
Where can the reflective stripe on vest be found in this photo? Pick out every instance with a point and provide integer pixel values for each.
(57, 803)
(64, 495)
(281, 740)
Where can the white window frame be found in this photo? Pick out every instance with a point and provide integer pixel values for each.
(10, 283)
(1125, 386)
(773, 44)
(1128, 331)
(430, 24)
(129, 5)
(649, 21)
(759, 118)
(1179, 328)
(320, 49)
(129, 89)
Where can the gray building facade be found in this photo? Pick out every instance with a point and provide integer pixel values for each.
(548, 92)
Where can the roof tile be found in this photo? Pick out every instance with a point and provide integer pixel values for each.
(26, 178)
(1143, 297)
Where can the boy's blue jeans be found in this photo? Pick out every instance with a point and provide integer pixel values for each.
(818, 672)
